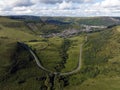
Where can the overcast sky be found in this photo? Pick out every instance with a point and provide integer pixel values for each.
(60, 7)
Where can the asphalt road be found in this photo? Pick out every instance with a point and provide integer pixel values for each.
(49, 71)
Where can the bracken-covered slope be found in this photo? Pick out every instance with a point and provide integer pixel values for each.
(101, 61)
(16, 64)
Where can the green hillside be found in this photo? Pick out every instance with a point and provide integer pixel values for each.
(16, 64)
(101, 61)
(19, 71)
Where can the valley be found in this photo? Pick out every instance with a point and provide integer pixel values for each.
(59, 53)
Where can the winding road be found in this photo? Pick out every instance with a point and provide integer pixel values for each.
(56, 73)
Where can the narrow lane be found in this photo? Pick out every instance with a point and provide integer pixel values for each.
(49, 71)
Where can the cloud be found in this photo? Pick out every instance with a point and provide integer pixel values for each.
(110, 3)
(60, 1)
(60, 7)
(105, 7)
(20, 3)
(65, 5)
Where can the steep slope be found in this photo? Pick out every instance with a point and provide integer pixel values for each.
(101, 61)
(8, 23)
(17, 67)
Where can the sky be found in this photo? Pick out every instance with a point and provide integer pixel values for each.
(73, 8)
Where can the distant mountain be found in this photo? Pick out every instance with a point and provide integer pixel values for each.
(48, 25)
(25, 18)
(57, 22)
(106, 21)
